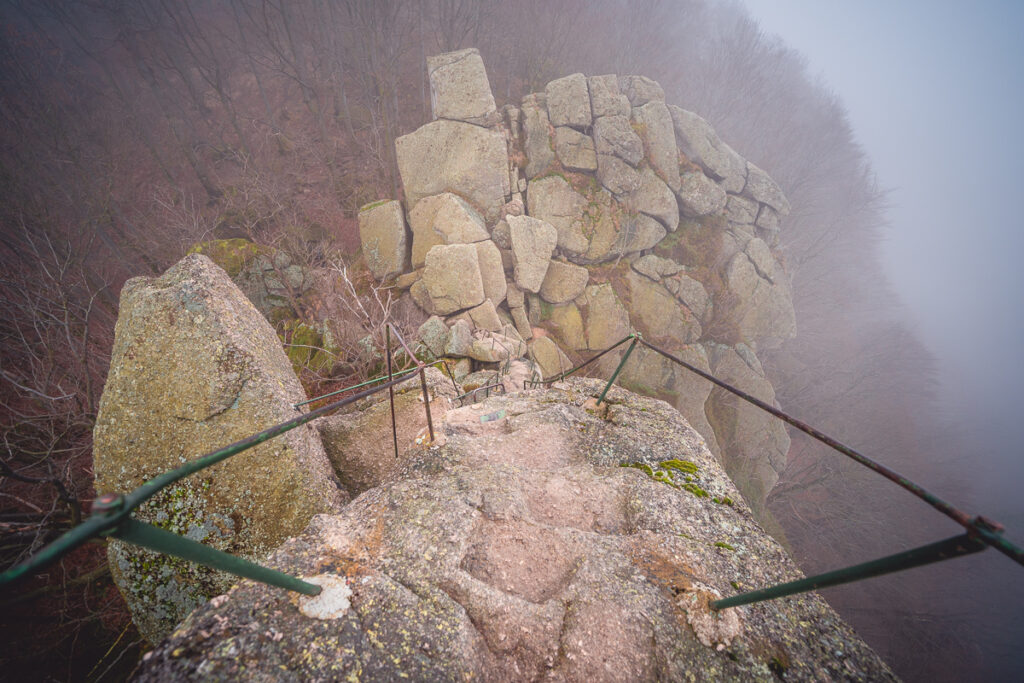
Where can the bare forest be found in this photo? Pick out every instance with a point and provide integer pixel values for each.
(130, 131)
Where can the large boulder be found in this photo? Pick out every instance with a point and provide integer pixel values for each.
(699, 195)
(533, 241)
(537, 146)
(764, 304)
(654, 198)
(614, 135)
(458, 157)
(605, 98)
(658, 133)
(492, 272)
(563, 282)
(382, 234)
(585, 223)
(443, 219)
(549, 357)
(568, 101)
(640, 90)
(701, 145)
(194, 368)
(605, 319)
(452, 278)
(459, 88)
(521, 549)
(753, 443)
(761, 187)
(658, 314)
(575, 150)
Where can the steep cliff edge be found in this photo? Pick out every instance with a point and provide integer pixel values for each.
(521, 548)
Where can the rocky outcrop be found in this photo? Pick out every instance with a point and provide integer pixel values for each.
(458, 157)
(538, 542)
(459, 88)
(195, 367)
(660, 227)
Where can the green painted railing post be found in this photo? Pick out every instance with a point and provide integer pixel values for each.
(964, 544)
(148, 536)
(622, 364)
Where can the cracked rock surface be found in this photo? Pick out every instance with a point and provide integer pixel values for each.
(195, 367)
(518, 548)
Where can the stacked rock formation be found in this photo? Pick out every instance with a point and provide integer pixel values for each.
(594, 209)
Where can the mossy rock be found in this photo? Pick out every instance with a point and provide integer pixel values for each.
(233, 255)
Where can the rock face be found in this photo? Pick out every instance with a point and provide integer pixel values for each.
(196, 367)
(521, 549)
(660, 228)
(459, 88)
(382, 234)
(453, 156)
(452, 277)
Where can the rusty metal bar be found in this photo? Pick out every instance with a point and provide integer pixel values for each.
(391, 390)
(426, 401)
(987, 530)
(582, 365)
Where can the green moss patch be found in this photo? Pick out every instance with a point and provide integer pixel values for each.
(233, 255)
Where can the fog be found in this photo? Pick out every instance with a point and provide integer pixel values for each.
(130, 131)
(934, 92)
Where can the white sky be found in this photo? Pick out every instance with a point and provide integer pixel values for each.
(935, 94)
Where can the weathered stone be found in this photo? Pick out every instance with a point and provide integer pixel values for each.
(452, 278)
(459, 88)
(651, 374)
(421, 297)
(655, 199)
(485, 317)
(762, 259)
(655, 267)
(640, 90)
(359, 444)
(768, 218)
(701, 145)
(575, 150)
(761, 187)
(657, 314)
(764, 312)
(614, 135)
(741, 210)
(458, 157)
(566, 323)
(406, 280)
(494, 348)
(700, 196)
(606, 320)
(461, 339)
(515, 295)
(519, 550)
(616, 175)
(500, 235)
(639, 232)
(434, 334)
(533, 241)
(540, 153)
(382, 234)
(563, 282)
(568, 101)
(522, 322)
(690, 293)
(753, 443)
(195, 366)
(492, 271)
(605, 98)
(585, 224)
(443, 219)
(658, 134)
(551, 359)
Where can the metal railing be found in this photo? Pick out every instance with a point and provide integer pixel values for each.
(112, 512)
(981, 531)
